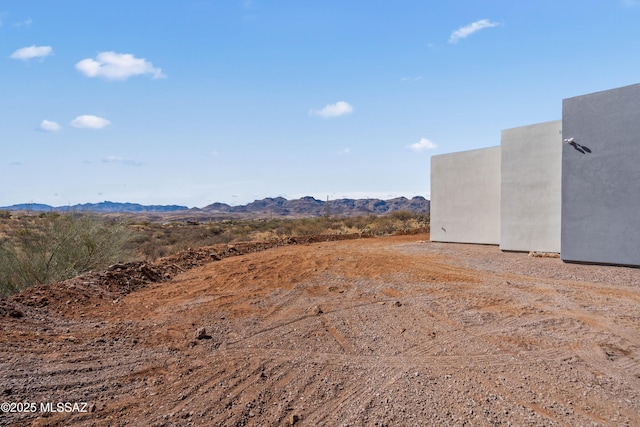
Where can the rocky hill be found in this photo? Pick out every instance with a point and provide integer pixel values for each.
(268, 207)
(310, 207)
(102, 207)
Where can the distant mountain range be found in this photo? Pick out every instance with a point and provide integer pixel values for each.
(268, 207)
(102, 207)
(309, 206)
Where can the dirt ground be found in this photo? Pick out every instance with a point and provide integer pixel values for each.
(392, 331)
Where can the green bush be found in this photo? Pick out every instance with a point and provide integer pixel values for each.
(52, 248)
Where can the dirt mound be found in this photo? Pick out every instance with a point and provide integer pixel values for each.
(121, 279)
(383, 331)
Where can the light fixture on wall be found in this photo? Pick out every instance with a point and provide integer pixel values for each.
(569, 140)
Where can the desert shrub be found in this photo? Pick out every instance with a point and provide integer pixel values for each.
(309, 226)
(215, 229)
(5, 214)
(382, 225)
(423, 219)
(402, 215)
(52, 248)
(357, 222)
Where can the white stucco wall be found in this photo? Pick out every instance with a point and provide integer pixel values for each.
(465, 197)
(531, 194)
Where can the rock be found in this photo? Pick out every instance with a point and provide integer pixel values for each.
(201, 333)
(544, 254)
(293, 419)
(16, 314)
(119, 266)
(397, 303)
(317, 310)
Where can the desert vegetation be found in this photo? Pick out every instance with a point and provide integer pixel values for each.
(151, 240)
(51, 247)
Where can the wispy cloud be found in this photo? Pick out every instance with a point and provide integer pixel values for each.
(340, 108)
(344, 152)
(249, 10)
(27, 53)
(26, 23)
(466, 31)
(423, 145)
(88, 121)
(411, 79)
(118, 66)
(49, 126)
(121, 160)
(630, 3)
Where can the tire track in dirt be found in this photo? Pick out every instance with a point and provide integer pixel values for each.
(385, 331)
(576, 312)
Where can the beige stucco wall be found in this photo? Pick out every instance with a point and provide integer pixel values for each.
(531, 191)
(465, 197)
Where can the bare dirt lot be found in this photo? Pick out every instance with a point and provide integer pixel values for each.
(383, 331)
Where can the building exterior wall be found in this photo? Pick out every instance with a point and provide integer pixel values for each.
(531, 188)
(601, 177)
(465, 197)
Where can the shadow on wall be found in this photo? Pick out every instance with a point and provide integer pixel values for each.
(581, 148)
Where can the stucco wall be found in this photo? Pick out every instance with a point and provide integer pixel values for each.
(531, 188)
(601, 177)
(465, 197)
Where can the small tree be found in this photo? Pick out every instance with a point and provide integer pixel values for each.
(57, 247)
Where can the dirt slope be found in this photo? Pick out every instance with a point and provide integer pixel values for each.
(386, 331)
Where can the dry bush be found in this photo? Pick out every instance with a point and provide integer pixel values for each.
(52, 247)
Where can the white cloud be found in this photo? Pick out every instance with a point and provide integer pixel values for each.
(89, 122)
(464, 32)
(411, 79)
(333, 110)
(49, 126)
(344, 152)
(27, 53)
(422, 145)
(117, 66)
(118, 159)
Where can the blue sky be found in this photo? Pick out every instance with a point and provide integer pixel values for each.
(193, 102)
